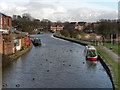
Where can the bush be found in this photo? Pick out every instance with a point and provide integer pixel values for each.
(24, 47)
(65, 33)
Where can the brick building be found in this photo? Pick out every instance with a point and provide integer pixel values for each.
(5, 23)
(11, 41)
(6, 42)
(1, 44)
(56, 28)
(79, 25)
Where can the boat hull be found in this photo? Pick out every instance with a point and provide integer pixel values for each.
(92, 59)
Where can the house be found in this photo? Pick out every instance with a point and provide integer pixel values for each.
(20, 41)
(80, 26)
(5, 23)
(17, 45)
(56, 28)
(6, 42)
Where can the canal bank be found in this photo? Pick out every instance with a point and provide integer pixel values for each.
(7, 59)
(72, 40)
(108, 67)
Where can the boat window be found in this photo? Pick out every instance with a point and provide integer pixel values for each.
(91, 53)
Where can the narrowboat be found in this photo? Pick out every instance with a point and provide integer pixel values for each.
(91, 53)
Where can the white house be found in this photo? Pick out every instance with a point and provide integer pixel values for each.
(17, 45)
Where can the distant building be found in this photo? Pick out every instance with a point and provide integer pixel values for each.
(80, 26)
(5, 23)
(56, 28)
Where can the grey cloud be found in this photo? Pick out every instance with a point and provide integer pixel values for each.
(56, 13)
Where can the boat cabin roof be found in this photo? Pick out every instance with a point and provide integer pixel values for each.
(90, 47)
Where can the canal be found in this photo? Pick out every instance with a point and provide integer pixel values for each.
(55, 64)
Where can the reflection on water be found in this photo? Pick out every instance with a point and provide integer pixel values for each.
(91, 64)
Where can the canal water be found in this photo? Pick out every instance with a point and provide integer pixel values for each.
(55, 64)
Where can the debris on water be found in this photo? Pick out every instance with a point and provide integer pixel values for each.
(33, 78)
(63, 64)
(4, 84)
(46, 59)
(83, 62)
(63, 61)
(48, 70)
(18, 85)
(50, 62)
(71, 50)
(70, 65)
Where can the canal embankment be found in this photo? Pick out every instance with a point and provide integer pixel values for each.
(7, 59)
(72, 40)
(110, 65)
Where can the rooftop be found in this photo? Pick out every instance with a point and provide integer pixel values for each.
(91, 47)
(4, 14)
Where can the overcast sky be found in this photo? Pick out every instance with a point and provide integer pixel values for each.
(62, 10)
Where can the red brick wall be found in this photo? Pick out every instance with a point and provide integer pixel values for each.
(79, 27)
(10, 22)
(53, 28)
(57, 28)
(8, 45)
(6, 21)
(3, 23)
(1, 45)
(8, 48)
(22, 42)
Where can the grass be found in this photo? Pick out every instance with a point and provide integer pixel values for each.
(113, 64)
(46, 32)
(115, 47)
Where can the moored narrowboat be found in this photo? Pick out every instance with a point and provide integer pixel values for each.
(91, 53)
